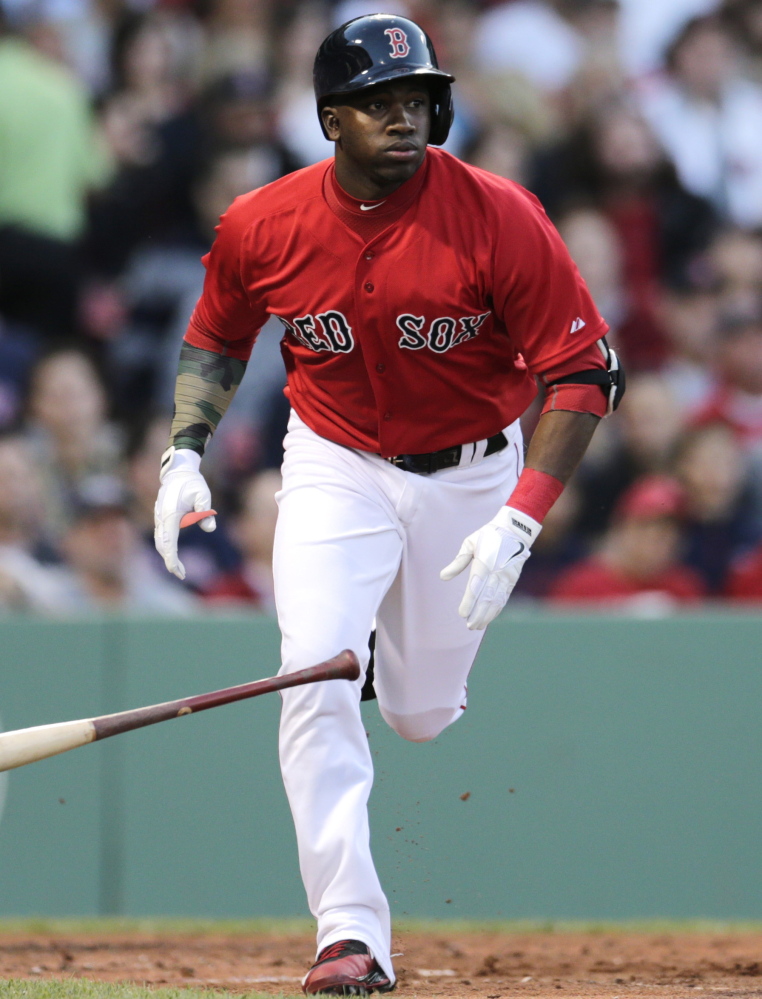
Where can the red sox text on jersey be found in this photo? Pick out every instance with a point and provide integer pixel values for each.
(414, 323)
(331, 331)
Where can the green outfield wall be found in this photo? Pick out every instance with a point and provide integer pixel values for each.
(606, 768)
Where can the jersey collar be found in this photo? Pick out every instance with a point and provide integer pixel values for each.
(395, 204)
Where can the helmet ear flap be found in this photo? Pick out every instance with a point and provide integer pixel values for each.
(442, 114)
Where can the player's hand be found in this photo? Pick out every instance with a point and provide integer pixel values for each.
(496, 554)
(183, 489)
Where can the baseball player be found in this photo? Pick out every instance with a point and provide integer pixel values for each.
(421, 298)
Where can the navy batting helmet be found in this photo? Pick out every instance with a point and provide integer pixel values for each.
(377, 48)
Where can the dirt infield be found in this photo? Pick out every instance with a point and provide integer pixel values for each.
(432, 965)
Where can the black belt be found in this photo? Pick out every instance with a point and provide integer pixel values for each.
(435, 461)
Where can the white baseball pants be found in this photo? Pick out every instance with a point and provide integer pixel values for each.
(359, 540)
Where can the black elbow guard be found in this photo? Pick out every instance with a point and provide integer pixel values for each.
(612, 380)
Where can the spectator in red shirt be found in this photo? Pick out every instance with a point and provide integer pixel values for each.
(745, 578)
(613, 162)
(738, 400)
(642, 442)
(639, 561)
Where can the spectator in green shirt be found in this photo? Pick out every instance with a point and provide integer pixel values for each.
(50, 159)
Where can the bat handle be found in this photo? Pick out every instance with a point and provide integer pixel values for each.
(188, 519)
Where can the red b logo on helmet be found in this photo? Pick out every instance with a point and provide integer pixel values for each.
(398, 42)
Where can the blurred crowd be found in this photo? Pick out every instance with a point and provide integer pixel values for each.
(128, 126)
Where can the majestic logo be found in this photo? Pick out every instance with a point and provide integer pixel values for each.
(442, 335)
(577, 325)
(398, 42)
(369, 208)
(326, 331)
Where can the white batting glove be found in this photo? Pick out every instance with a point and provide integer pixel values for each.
(183, 490)
(496, 554)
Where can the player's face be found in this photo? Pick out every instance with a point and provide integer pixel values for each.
(381, 135)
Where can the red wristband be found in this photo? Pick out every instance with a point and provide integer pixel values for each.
(535, 493)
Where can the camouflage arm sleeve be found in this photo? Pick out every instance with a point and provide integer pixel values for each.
(206, 383)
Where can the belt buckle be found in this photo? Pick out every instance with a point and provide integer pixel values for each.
(412, 463)
(427, 464)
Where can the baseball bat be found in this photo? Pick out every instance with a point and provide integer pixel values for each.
(26, 745)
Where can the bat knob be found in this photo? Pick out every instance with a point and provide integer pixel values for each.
(347, 666)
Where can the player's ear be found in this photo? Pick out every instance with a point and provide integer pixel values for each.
(330, 121)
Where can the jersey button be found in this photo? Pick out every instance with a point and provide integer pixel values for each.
(369, 255)
(387, 416)
(380, 368)
(368, 286)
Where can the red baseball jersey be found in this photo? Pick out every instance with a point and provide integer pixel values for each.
(412, 323)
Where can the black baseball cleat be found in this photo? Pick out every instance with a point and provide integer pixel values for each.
(346, 968)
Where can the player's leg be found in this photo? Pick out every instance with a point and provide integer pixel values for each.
(337, 549)
(424, 651)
